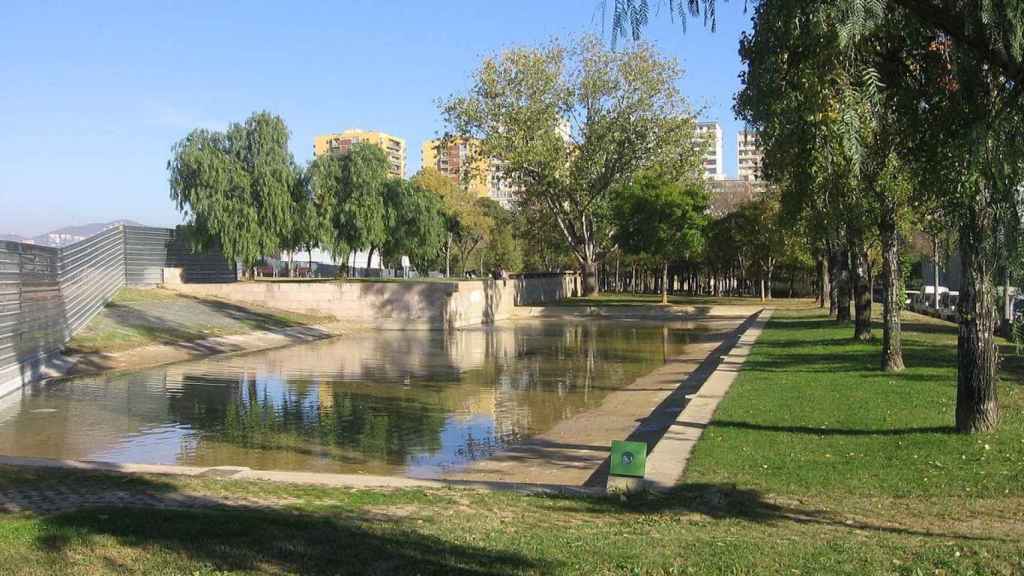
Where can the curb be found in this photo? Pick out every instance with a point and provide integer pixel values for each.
(667, 462)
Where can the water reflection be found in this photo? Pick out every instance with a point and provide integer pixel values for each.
(384, 403)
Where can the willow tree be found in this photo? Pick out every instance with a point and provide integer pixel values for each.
(568, 124)
(236, 187)
(350, 191)
(415, 225)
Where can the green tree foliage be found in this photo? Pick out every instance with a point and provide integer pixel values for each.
(504, 249)
(661, 217)
(308, 223)
(570, 124)
(466, 223)
(416, 225)
(236, 187)
(349, 191)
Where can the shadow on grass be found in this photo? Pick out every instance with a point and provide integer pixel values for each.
(832, 431)
(728, 502)
(267, 540)
(153, 328)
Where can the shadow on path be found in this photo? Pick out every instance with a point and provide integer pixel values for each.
(654, 426)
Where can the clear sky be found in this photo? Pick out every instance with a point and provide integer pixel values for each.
(94, 94)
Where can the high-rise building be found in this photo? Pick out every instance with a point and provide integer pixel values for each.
(748, 156)
(456, 160)
(394, 148)
(709, 135)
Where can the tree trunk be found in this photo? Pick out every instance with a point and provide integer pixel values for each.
(1006, 325)
(589, 270)
(664, 283)
(448, 257)
(935, 264)
(842, 285)
(861, 290)
(976, 407)
(892, 347)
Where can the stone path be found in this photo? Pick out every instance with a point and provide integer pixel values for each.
(61, 497)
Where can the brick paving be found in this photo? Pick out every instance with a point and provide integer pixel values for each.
(52, 499)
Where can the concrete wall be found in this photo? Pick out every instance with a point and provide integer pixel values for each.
(397, 305)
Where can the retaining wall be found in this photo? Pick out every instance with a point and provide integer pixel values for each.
(407, 305)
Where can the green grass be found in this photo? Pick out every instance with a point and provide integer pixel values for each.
(143, 317)
(815, 464)
(810, 401)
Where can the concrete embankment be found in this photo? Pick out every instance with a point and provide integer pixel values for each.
(407, 305)
(159, 354)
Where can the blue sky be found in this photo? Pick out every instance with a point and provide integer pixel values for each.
(94, 97)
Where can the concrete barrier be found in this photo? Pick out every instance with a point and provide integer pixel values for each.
(407, 305)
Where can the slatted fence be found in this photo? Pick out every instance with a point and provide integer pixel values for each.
(47, 294)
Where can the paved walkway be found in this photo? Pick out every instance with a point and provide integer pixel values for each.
(74, 494)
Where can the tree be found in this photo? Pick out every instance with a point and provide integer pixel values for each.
(235, 187)
(350, 190)
(570, 124)
(661, 217)
(503, 250)
(308, 224)
(947, 77)
(467, 225)
(416, 226)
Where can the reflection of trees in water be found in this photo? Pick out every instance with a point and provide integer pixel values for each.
(244, 412)
(525, 378)
(557, 370)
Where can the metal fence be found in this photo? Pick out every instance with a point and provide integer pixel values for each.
(47, 294)
(149, 250)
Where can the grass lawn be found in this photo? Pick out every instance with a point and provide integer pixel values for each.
(142, 317)
(815, 464)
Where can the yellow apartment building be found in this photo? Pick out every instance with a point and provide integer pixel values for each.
(394, 147)
(454, 160)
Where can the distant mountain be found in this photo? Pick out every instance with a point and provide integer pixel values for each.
(68, 234)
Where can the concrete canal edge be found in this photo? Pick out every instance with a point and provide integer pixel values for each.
(666, 463)
(351, 481)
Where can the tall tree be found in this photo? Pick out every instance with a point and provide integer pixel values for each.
(350, 190)
(661, 217)
(416, 226)
(504, 250)
(235, 187)
(466, 223)
(570, 124)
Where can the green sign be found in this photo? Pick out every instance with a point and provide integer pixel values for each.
(628, 458)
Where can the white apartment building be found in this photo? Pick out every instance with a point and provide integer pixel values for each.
(709, 134)
(748, 155)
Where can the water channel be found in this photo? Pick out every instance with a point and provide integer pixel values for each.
(407, 403)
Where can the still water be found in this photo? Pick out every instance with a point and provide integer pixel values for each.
(411, 403)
